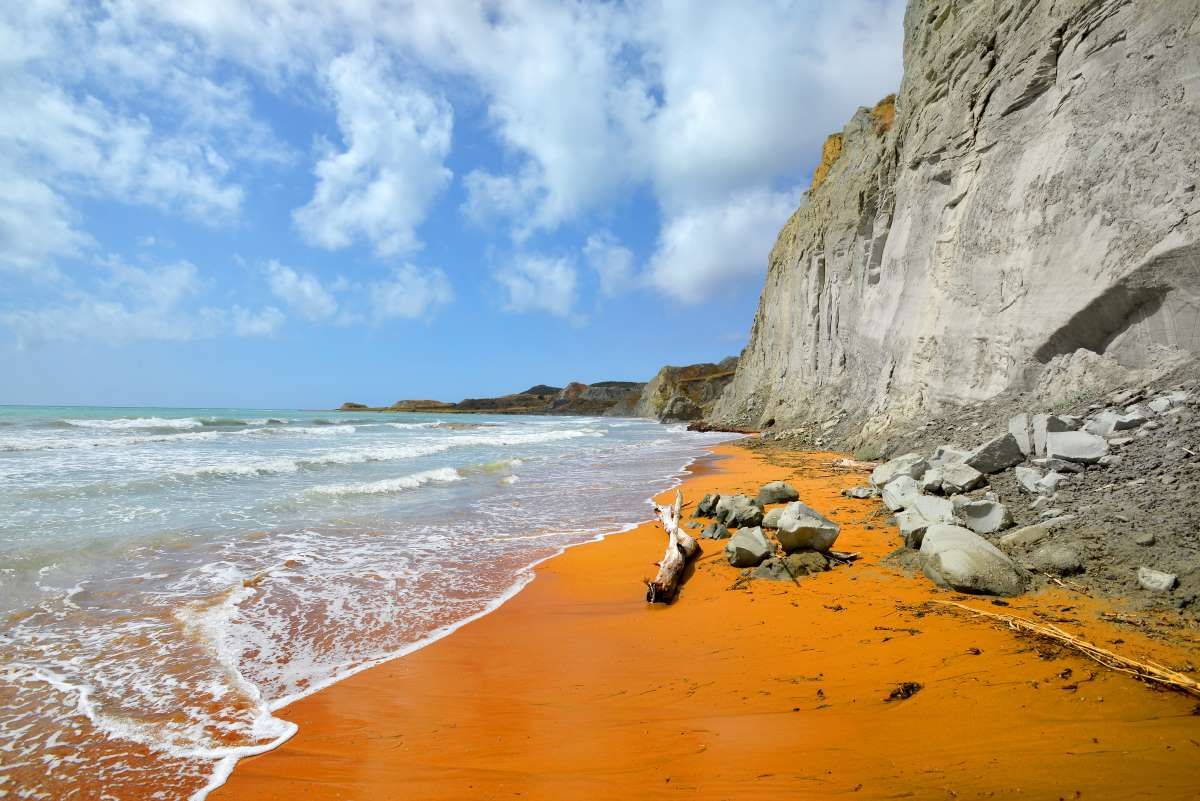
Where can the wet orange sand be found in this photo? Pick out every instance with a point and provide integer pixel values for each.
(576, 689)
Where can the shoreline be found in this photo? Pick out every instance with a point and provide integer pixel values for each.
(435, 724)
(225, 766)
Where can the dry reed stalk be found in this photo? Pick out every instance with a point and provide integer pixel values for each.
(1144, 671)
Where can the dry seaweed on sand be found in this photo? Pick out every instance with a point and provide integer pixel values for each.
(1144, 671)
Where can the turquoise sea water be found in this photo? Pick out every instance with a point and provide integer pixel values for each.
(170, 577)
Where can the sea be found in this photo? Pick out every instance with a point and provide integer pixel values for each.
(171, 578)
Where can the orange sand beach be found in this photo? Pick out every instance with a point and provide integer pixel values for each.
(576, 689)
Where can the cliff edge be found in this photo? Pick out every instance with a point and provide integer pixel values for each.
(1024, 218)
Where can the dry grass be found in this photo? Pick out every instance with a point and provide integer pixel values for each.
(1144, 671)
(830, 153)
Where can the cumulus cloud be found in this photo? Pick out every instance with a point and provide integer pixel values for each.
(302, 292)
(538, 283)
(703, 249)
(409, 293)
(135, 303)
(612, 262)
(712, 111)
(381, 186)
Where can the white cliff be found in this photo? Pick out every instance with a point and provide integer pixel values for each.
(1031, 211)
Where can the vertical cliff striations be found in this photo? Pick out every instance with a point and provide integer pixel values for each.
(1031, 207)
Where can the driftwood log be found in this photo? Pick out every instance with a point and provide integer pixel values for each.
(681, 547)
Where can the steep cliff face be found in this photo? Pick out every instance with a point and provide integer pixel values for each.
(685, 393)
(1033, 202)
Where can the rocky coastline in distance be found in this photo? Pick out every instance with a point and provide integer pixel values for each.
(675, 394)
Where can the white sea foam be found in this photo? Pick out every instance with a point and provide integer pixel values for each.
(138, 422)
(390, 485)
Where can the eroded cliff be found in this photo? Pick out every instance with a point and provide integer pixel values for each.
(1031, 208)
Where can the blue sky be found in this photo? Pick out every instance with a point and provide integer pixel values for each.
(299, 203)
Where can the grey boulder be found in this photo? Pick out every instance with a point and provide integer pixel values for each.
(1156, 580)
(1019, 427)
(985, 517)
(912, 465)
(900, 493)
(860, 492)
(999, 453)
(771, 518)
(1046, 424)
(776, 492)
(959, 477)
(1076, 446)
(708, 505)
(792, 566)
(952, 556)
(1027, 478)
(803, 528)
(738, 511)
(932, 480)
(748, 548)
(1059, 560)
(926, 511)
(715, 531)
(947, 454)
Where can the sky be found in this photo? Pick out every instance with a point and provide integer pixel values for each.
(295, 203)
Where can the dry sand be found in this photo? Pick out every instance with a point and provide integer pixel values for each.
(576, 689)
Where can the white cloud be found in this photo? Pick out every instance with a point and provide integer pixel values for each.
(409, 293)
(37, 226)
(134, 303)
(535, 283)
(612, 261)
(302, 292)
(704, 249)
(247, 323)
(381, 186)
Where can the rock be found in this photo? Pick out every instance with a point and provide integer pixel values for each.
(695, 524)
(947, 454)
(1028, 478)
(1048, 484)
(912, 465)
(996, 454)
(748, 548)
(1156, 580)
(900, 493)
(1060, 465)
(931, 481)
(708, 505)
(771, 518)
(715, 531)
(1145, 539)
(1019, 427)
(1050, 514)
(737, 511)
(952, 556)
(1108, 422)
(1109, 460)
(960, 477)
(801, 527)
(1076, 446)
(1045, 424)
(986, 517)
(925, 512)
(860, 492)
(746, 516)
(1059, 560)
(1042, 502)
(792, 566)
(776, 492)
(1159, 405)
(1026, 536)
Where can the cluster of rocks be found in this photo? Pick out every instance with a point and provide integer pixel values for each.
(781, 543)
(948, 510)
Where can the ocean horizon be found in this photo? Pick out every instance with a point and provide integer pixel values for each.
(171, 577)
